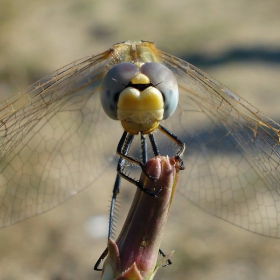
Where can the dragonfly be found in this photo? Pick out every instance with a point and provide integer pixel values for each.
(60, 134)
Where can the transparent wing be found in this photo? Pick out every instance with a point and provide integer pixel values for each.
(55, 140)
(232, 152)
(51, 136)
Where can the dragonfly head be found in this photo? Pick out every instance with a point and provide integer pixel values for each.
(139, 95)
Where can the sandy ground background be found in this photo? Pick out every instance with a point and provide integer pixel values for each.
(237, 42)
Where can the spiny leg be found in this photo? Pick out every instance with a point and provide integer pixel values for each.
(116, 191)
(154, 144)
(123, 146)
(122, 151)
(178, 141)
(144, 148)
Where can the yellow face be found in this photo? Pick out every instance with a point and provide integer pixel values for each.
(140, 110)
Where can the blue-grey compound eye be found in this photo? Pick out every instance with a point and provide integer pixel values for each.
(163, 79)
(116, 79)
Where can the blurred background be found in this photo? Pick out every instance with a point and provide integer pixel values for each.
(237, 42)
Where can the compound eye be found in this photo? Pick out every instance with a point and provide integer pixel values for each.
(163, 79)
(114, 82)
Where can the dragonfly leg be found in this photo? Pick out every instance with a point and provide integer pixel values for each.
(116, 191)
(178, 141)
(99, 261)
(122, 151)
(168, 262)
(144, 148)
(154, 144)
